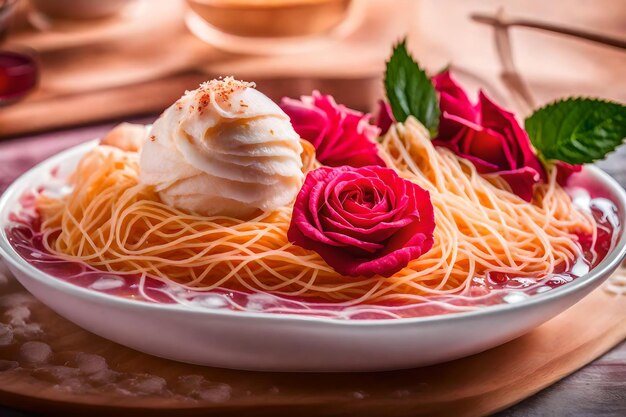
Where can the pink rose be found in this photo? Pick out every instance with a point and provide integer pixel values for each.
(341, 136)
(362, 221)
(487, 135)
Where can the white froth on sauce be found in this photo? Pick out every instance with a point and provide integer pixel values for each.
(483, 291)
(107, 282)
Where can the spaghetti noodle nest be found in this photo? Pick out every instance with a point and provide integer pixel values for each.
(113, 223)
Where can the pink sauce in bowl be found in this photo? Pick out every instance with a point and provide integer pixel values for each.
(256, 331)
(24, 235)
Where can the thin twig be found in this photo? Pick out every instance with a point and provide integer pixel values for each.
(549, 27)
(510, 76)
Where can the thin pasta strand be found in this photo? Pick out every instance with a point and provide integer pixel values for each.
(112, 222)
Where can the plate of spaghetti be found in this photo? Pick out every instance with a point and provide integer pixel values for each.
(306, 236)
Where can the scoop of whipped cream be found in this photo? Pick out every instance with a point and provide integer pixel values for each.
(128, 137)
(223, 149)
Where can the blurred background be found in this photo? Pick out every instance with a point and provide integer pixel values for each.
(71, 63)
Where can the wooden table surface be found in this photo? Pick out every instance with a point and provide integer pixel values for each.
(598, 389)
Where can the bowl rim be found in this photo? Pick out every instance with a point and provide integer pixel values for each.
(9, 255)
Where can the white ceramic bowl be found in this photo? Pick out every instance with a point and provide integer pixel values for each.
(262, 341)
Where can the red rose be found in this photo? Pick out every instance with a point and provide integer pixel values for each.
(341, 136)
(564, 171)
(487, 135)
(362, 221)
(384, 117)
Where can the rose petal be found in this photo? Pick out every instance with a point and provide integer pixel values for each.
(341, 136)
(479, 143)
(305, 213)
(564, 171)
(445, 84)
(497, 118)
(357, 142)
(384, 116)
(425, 224)
(522, 181)
(354, 244)
(490, 146)
(481, 165)
(453, 101)
(380, 232)
(354, 216)
(385, 266)
(309, 122)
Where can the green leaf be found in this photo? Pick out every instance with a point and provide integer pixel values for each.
(577, 130)
(410, 91)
